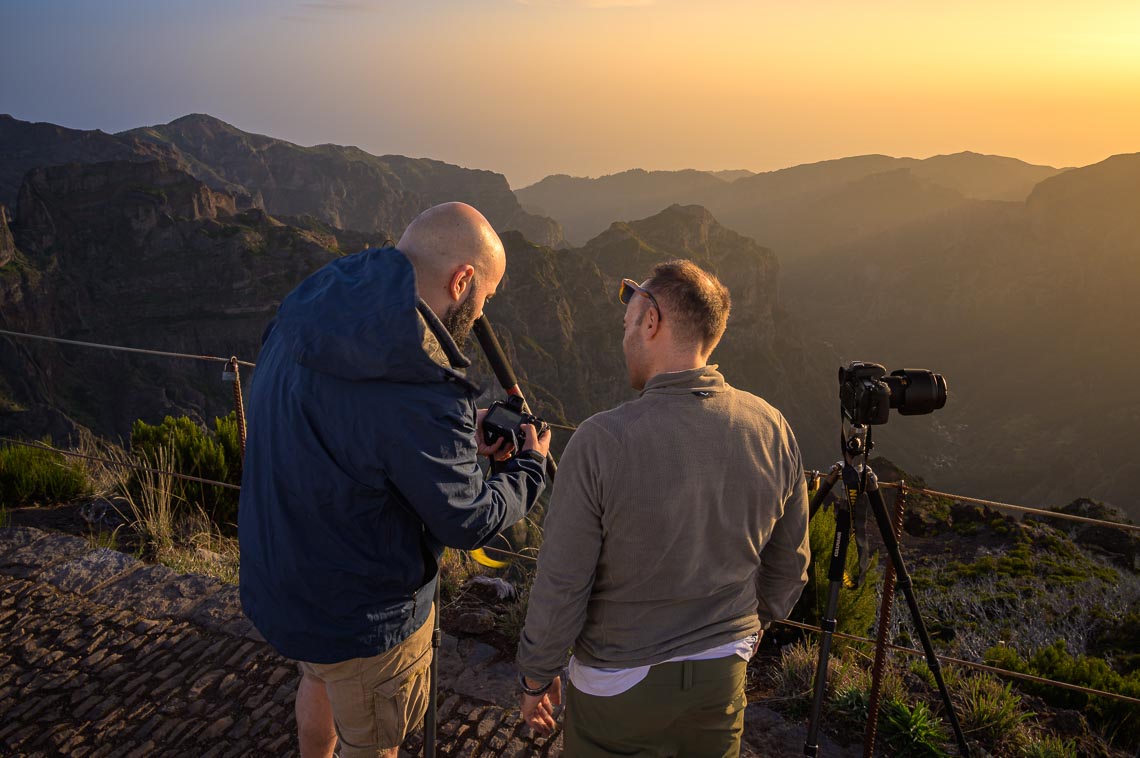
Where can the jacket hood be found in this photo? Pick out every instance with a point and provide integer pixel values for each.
(360, 317)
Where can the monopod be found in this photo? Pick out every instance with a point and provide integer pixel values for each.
(506, 376)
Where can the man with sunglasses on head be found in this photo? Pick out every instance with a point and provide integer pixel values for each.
(361, 466)
(677, 532)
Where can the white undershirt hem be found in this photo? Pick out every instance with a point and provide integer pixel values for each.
(606, 682)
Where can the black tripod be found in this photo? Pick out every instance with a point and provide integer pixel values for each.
(856, 481)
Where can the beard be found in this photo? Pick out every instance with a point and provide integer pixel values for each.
(460, 318)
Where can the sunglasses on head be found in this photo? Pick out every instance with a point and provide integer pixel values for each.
(630, 287)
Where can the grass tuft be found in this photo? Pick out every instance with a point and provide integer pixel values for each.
(912, 731)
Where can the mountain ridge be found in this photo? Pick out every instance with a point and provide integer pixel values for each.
(342, 185)
(585, 206)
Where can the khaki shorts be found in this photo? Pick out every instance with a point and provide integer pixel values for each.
(377, 701)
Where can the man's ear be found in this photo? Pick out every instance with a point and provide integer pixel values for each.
(460, 281)
(652, 322)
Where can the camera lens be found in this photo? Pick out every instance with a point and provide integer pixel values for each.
(921, 391)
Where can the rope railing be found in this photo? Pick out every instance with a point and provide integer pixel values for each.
(970, 664)
(121, 349)
(1018, 508)
(923, 490)
(233, 362)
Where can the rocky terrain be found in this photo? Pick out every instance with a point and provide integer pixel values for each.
(103, 655)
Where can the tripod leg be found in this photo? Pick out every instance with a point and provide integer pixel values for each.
(430, 727)
(828, 624)
(886, 531)
(821, 494)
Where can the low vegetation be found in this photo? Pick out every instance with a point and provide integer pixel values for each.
(35, 476)
(146, 512)
(172, 530)
(912, 721)
(195, 451)
(1117, 720)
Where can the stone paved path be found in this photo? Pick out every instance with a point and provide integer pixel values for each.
(102, 655)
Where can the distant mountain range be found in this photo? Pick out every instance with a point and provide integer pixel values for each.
(872, 192)
(1018, 282)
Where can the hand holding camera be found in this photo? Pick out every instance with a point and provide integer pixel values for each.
(507, 427)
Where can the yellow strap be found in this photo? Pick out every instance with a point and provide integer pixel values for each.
(481, 557)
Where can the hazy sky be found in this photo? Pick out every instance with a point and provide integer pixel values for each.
(590, 87)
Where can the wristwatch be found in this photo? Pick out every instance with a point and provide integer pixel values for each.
(533, 691)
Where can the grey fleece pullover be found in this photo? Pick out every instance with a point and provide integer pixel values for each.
(678, 522)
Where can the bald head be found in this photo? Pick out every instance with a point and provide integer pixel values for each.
(458, 258)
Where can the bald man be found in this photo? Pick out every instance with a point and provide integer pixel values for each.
(361, 466)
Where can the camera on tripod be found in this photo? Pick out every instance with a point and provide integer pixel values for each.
(505, 420)
(867, 394)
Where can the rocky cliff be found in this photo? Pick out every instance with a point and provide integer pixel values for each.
(7, 244)
(139, 254)
(343, 186)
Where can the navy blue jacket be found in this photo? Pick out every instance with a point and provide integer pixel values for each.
(360, 464)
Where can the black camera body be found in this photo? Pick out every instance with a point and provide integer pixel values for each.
(867, 394)
(505, 420)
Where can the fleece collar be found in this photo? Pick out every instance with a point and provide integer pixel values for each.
(702, 379)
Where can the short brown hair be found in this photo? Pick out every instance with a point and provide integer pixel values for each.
(695, 298)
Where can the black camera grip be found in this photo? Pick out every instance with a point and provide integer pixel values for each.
(503, 371)
(495, 355)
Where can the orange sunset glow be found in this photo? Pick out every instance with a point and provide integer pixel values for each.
(593, 87)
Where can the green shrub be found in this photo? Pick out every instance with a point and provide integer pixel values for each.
(850, 706)
(1049, 746)
(990, 712)
(1118, 639)
(1120, 721)
(33, 475)
(858, 606)
(907, 731)
(196, 452)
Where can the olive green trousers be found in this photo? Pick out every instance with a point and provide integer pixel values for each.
(690, 709)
